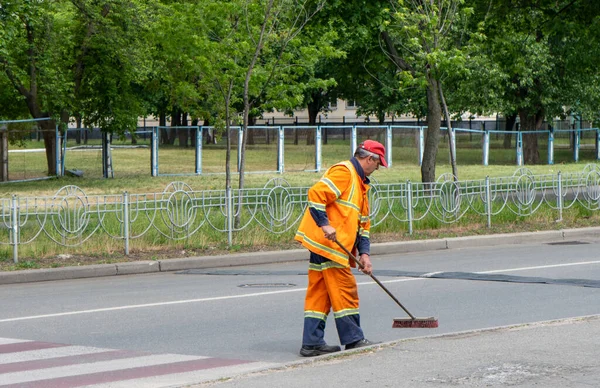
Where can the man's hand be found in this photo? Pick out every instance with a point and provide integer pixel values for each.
(329, 232)
(367, 267)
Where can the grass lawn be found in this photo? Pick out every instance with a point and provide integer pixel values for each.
(132, 174)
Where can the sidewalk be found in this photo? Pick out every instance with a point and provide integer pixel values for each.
(138, 267)
(561, 354)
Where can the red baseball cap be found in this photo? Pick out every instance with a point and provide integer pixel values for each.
(376, 148)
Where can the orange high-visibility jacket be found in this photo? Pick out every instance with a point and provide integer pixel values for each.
(343, 196)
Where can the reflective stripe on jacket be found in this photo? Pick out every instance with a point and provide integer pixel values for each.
(342, 194)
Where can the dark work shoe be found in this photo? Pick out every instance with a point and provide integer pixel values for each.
(318, 350)
(360, 344)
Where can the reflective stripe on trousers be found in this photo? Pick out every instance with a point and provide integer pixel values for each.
(330, 286)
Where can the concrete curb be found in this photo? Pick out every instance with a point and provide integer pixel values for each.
(42, 275)
(503, 239)
(136, 267)
(233, 260)
(408, 246)
(139, 267)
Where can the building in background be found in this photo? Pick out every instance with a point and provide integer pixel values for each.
(340, 112)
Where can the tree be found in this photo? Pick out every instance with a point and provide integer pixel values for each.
(423, 39)
(73, 58)
(112, 61)
(173, 90)
(26, 49)
(244, 53)
(540, 57)
(364, 74)
(12, 106)
(279, 55)
(359, 72)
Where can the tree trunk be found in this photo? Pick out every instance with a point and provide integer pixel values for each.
(175, 121)
(209, 134)
(251, 123)
(48, 130)
(49, 134)
(510, 123)
(313, 108)
(84, 132)
(531, 122)
(183, 133)
(48, 126)
(79, 130)
(449, 127)
(313, 111)
(432, 135)
(162, 122)
(193, 133)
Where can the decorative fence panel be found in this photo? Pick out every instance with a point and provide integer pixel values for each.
(72, 218)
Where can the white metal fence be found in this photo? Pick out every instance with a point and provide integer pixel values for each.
(72, 218)
(270, 148)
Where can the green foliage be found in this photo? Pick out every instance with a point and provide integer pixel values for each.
(29, 46)
(78, 58)
(28, 264)
(12, 104)
(537, 60)
(107, 63)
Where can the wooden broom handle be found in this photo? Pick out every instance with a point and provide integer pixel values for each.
(374, 278)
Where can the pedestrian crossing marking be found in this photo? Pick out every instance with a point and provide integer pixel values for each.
(32, 364)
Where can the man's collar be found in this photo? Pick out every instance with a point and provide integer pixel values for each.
(360, 171)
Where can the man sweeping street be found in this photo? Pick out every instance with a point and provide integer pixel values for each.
(337, 212)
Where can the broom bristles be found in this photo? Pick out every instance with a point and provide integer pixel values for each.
(417, 323)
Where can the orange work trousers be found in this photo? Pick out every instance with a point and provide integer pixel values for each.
(330, 286)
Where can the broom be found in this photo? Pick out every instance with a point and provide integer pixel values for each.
(412, 322)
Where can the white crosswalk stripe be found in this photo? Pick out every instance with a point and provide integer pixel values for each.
(80, 369)
(41, 354)
(25, 363)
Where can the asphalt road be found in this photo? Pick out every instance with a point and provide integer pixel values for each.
(255, 312)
